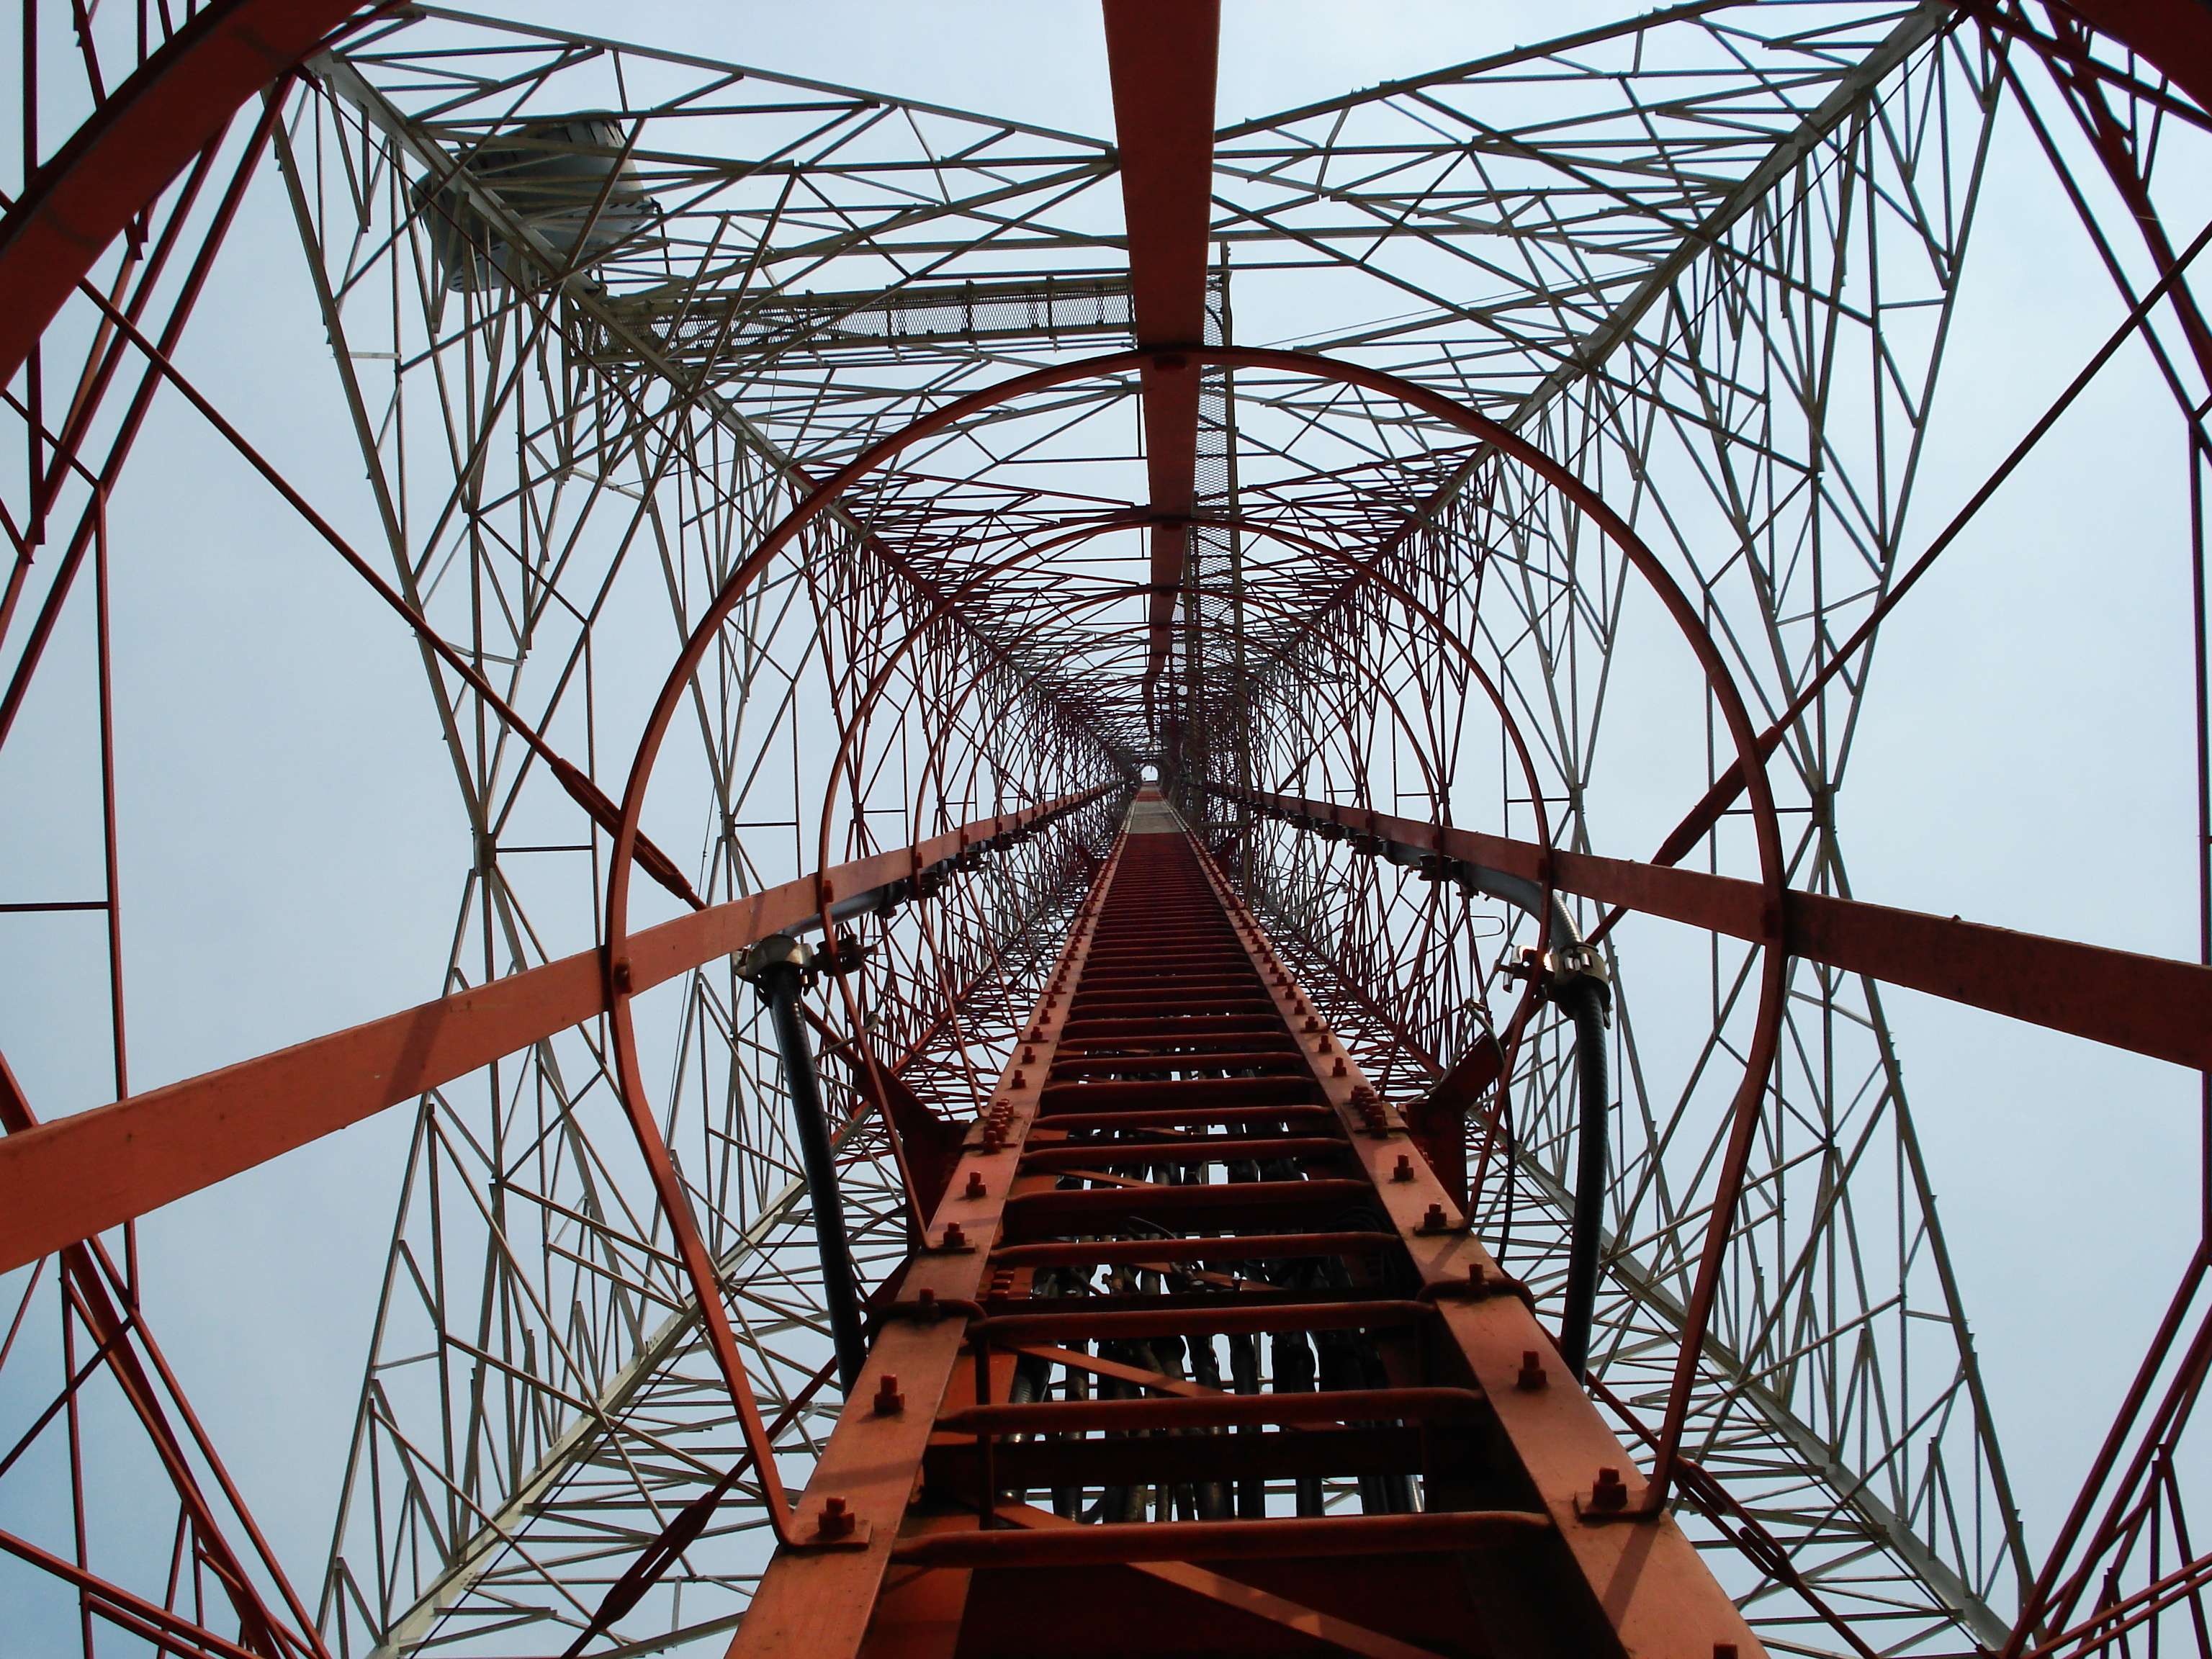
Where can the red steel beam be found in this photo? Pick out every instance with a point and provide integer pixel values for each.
(139, 138)
(170, 1632)
(1162, 54)
(2149, 1005)
(2176, 35)
(77, 1176)
(127, 1347)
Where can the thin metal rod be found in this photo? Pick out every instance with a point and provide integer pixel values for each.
(1730, 783)
(2198, 459)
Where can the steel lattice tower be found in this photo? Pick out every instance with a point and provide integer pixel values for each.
(939, 710)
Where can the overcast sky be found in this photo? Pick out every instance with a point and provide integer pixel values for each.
(294, 855)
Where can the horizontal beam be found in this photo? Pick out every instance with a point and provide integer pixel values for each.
(2149, 1005)
(77, 1176)
(1161, 56)
(1275, 1540)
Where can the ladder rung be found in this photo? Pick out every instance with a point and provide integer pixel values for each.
(1263, 1247)
(1236, 1315)
(1212, 1411)
(1216, 1541)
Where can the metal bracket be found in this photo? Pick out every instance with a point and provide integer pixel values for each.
(776, 950)
(835, 1529)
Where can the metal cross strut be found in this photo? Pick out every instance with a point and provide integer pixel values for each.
(1111, 1053)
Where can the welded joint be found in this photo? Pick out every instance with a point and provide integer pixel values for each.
(1609, 1500)
(835, 1527)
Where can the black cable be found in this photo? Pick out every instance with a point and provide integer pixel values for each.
(1582, 998)
(779, 988)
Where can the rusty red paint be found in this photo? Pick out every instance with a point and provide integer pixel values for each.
(179, 101)
(82, 1175)
(2151, 1005)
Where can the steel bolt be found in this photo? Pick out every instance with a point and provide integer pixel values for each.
(975, 1184)
(1434, 1221)
(1723, 1650)
(1608, 1493)
(837, 1520)
(1405, 1170)
(1531, 1376)
(889, 1402)
(954, 1238)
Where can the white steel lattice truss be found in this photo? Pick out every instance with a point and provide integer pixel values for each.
(600, 313)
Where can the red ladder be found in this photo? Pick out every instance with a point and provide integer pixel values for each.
(1180, 1163)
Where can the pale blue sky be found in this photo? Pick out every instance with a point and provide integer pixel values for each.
(294, 858)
